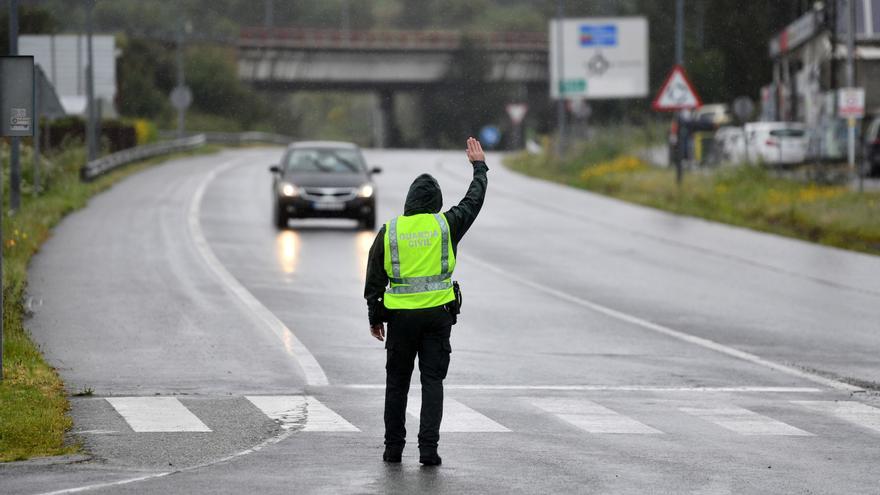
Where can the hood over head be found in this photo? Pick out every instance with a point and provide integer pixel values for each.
(424, 196)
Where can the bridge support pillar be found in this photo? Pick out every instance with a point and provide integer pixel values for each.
(385, 131)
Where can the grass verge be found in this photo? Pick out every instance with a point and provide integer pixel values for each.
(33, 402)
(746, 196)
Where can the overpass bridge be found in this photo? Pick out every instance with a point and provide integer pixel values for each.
(384, 62)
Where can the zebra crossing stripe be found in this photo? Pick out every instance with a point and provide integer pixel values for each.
(744, 421)
(592, 417)
(854, 412)
(457, 417)
(300, 411)
(156, 414)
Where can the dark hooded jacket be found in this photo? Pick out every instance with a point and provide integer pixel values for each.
(424, 196)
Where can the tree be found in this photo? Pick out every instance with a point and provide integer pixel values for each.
(31, 20)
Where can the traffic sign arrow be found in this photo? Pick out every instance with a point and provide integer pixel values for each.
(677, 93)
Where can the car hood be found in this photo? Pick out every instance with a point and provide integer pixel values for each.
(326, 180)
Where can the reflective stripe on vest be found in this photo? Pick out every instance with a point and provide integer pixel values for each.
(420, 291)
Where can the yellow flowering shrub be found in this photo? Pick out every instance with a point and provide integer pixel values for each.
(621, 164)
(145, 131)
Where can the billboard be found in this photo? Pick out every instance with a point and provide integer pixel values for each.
(17, 96)
(602, 57)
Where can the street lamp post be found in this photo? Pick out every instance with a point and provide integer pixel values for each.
(681, 135)
(560, 102)
(91, 139)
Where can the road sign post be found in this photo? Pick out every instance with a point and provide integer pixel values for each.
(851, 106)
(677, 95)
(516, 112)
(743, 108)
(16, 120)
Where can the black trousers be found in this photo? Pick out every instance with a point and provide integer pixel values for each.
(423, 333)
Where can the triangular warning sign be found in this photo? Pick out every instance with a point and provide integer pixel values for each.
(677, 93)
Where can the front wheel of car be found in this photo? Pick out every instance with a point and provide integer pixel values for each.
(368, 222)
(279, 218)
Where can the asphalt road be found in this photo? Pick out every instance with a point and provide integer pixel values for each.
(603, 347)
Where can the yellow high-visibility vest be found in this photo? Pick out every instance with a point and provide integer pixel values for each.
(419, 262)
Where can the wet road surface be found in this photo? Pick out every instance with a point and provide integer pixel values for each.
(603, 347)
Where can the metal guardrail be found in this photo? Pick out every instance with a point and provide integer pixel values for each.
(112, 161)
(247, 137)
(107, 163)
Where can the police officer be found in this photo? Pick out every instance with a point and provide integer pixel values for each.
(409, 285)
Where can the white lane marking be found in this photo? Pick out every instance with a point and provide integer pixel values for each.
(314, 375)
(676, 334)
(457, 417)
(156, 414)
(301, 410)
(604, 388)
(592, 417)
(854, 412)
(744, 421)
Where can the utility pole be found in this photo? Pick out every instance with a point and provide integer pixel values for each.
(91, 139)
(680, 141)
(560, 102)
(181, 109)
(38, 101)
(13, 158)
(850, 83)
(14, 152)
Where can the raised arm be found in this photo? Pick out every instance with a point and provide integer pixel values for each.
(462, 215)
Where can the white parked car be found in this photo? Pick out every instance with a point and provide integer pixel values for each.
(777, 143)
(730, 145)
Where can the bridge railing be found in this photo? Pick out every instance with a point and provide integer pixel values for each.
(100, 166)
(386, 40)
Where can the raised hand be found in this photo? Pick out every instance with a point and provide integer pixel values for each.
(475, 151)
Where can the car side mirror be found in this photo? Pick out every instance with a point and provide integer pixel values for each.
(275, 169)
(375, 170)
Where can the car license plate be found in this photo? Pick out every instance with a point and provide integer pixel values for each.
(328, 206)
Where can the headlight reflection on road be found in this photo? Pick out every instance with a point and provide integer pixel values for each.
(363, 241)
(287, 246)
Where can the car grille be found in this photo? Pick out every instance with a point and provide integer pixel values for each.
(329, 193)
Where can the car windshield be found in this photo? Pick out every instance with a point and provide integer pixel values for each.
(787, 133)
(324, 160)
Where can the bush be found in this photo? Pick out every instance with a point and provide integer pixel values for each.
(118, 135)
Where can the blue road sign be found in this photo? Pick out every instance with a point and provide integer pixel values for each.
(490, 135)
(598, 35)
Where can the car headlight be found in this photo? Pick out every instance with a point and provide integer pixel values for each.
(366, 191)
(288, 189)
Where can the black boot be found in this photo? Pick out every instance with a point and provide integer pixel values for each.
(429, 457)
(392, 453)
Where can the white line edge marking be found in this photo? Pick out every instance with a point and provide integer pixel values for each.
(603, 388)
(314, 375)
(271, 441)
(676, 334)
